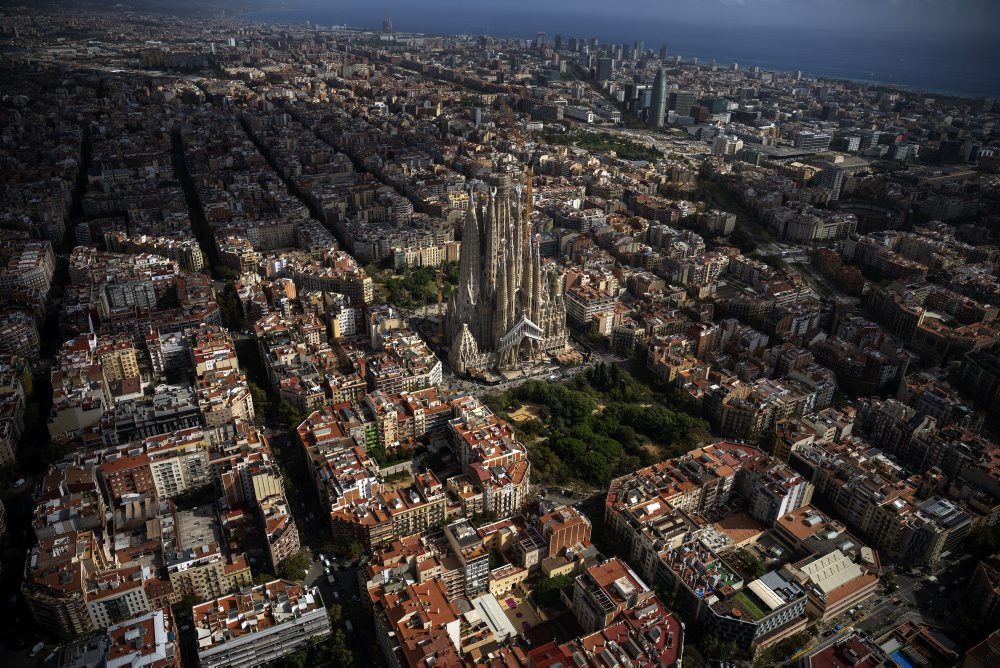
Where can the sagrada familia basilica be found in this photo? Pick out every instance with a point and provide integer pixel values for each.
(508, 308)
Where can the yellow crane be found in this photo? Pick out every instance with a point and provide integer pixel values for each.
(440, 287)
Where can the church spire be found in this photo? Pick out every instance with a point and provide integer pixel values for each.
(500, 322)
(536, 270)
(492, 244)
(468, 267)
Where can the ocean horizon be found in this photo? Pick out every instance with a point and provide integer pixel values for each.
(944, 64)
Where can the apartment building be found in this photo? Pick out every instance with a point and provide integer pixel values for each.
(178, 461)
(147, 640)
(418, 626)
(604, 591)
(21, 336)
(489, 453)
(753, 615)
(116, 594)
(193, 554)
(563, 527)
(55, 572)
(259, 624)
(387, 515)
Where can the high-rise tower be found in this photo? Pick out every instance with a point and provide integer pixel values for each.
(387, 23)
(658, 103)
(508, 308)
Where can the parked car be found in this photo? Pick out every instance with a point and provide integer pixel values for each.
(36, 649)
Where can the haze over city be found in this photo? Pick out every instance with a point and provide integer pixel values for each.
(941, 46)
(520, 335)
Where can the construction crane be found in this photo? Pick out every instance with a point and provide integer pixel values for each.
(440, 286)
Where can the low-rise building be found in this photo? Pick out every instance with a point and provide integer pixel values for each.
(835, 583)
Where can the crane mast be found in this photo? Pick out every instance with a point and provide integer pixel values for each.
(440, 286)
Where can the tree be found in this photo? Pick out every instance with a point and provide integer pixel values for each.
(261, 402)
(297, 565)
(224, 273)
(341, 654)
(692, 657)
(296, 660)
(336, 614)
(546, 593)
(262, 578)
(756, 566)
(229, 305)
(983, 541)
(355, 549)
(289, 415)
(782, 651)
(711, 647)
(667, 598)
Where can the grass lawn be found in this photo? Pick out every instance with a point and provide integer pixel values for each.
(750, 604)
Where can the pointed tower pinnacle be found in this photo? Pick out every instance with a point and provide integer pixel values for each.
(468, 274)
(500, 322)
(492, 245)
(536, 270)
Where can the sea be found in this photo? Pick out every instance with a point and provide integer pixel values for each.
(944, 64)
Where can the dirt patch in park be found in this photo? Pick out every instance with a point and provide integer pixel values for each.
(524, 413)
(397, 481)
(654, 450)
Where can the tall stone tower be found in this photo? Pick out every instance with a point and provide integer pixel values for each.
(508, 308)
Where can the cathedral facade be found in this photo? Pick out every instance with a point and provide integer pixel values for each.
(508, 309)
